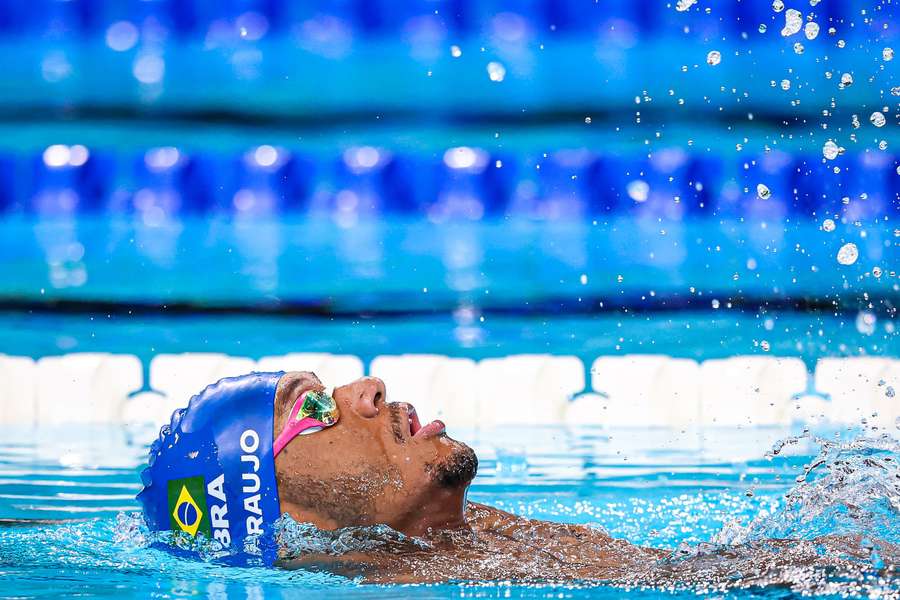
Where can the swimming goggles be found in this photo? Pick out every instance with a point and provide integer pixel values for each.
(313, 411)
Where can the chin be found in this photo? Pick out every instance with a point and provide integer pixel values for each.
(458, 469)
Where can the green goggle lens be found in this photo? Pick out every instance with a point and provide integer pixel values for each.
(319, 406)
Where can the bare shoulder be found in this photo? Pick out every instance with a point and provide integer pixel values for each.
(482, 517)
(487, 520)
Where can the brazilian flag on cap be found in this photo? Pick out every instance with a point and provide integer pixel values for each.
(187, 506)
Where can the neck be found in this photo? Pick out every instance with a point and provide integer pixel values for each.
(443, 509)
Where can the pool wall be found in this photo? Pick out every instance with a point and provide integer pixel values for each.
(531, 390)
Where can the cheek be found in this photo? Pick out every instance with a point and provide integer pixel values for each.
(419, 460)
(362, 452)
(322, 452)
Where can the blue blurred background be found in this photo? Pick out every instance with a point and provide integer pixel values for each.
(298, 180)
(456, 164)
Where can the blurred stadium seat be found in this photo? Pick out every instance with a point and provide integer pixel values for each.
(462, 183)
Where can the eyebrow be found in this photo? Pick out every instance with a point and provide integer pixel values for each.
(291, 391)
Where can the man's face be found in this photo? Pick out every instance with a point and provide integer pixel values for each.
(378, 464)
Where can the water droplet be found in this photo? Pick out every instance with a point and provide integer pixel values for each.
(828, 225)
(793, 22)
(865, 323)
(785, 84)
(855, 121)
(882, 145)
(831, 150)
(587, 120)
(777, 5)
(887, 54)
(455, 51)
(876, 272)
(683, 5)
(811, 30)
(798, 48)
(762, 28)
(895, 91)
(848, 254)
(889, 392)
(846, 81)
(877, 119)
(715, 303)
(763, 192)
(638, 190)
(764, 345)
(496, 71)
(714, 57)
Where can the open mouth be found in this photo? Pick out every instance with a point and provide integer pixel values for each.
(417, 430)
(413, 418)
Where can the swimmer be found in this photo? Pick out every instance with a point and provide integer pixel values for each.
(352, 459)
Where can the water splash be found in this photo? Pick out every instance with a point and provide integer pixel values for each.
(793, 22)
(850, 489)
(130, 532)
(297, 539)
(847, 254)
(833, 533)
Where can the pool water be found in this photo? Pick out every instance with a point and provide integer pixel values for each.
(670, 489)
(171, 182)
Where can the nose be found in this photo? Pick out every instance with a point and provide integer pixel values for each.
(365, 396)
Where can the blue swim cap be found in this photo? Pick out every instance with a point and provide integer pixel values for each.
(212, 470)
